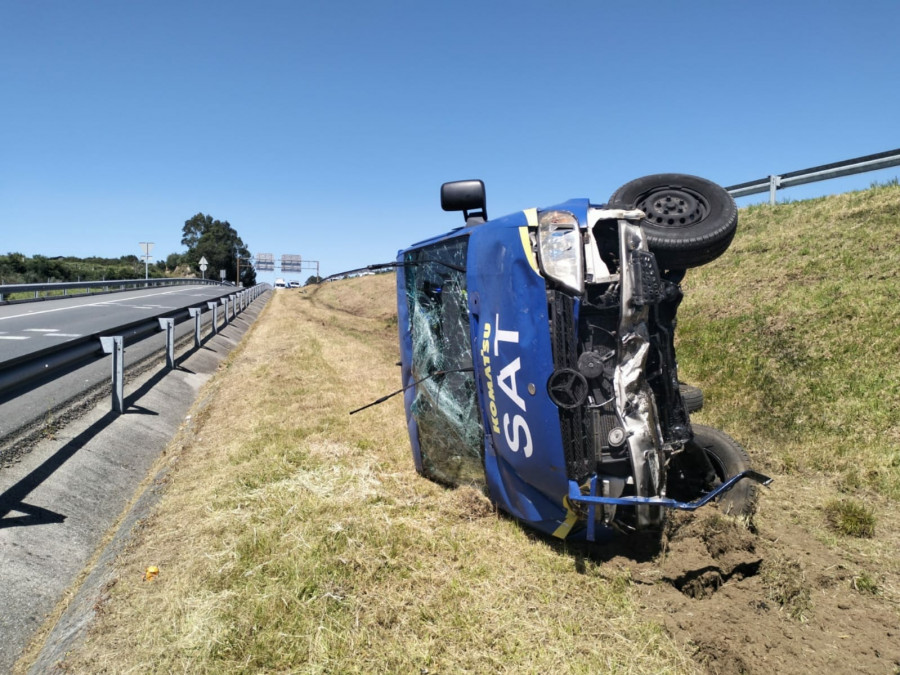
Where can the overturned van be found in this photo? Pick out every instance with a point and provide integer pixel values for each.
(538, 357)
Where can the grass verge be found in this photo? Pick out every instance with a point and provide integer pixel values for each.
(295, 538)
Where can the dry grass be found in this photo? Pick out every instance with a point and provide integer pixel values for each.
(295, 538)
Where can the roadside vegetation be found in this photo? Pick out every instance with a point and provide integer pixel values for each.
(16, 268)
(203, 235)
(294, 537)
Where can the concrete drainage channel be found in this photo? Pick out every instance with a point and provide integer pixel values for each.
(60, 502)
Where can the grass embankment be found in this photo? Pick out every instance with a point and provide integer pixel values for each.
(794, 335)
(296, 538)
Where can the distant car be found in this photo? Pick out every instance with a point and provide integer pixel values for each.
(294, 283)
(538, 354)
(279, 283)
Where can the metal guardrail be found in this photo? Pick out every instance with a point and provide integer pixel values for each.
(113, 286)
(20, 372)
(881, 160)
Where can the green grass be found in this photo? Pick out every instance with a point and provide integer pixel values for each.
(793, 335)
(850, 518)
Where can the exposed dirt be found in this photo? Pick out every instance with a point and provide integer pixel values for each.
(780, 597)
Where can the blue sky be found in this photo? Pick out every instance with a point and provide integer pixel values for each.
(325, 128)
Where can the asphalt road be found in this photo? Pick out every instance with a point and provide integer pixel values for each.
(30, 327)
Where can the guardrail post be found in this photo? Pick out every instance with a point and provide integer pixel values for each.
(195, 313)
(233, 299)
(115, 345)
(214, 306)
(774, 184)
(169, 326)
(224, 301)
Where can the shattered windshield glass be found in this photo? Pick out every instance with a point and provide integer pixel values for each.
(445, 408)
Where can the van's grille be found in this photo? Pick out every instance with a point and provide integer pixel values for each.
(576, 437)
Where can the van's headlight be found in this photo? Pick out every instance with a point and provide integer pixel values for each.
(561, 250)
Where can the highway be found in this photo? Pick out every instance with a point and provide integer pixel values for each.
(28, 328)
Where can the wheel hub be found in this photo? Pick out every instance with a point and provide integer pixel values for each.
(673, 207)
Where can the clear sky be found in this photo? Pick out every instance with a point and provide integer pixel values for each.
(325, 128)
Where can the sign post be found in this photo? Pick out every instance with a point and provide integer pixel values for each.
(146, 247)
(203, 265)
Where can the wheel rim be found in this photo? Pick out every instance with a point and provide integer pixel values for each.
(673, 207)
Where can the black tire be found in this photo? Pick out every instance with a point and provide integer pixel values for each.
(686, 477)
(692, 397)
(690, 220)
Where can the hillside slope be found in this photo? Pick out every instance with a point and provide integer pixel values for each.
(794, 334)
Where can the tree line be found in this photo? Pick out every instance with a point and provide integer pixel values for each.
(204, 237)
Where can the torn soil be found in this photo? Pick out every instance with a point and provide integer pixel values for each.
(781, 596)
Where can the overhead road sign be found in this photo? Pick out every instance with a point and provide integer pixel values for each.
(291, 263)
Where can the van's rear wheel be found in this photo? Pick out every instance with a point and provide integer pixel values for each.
(692, 397)
(690, 220)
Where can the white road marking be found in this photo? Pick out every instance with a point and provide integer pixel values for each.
(13, 337)
(42, 330)
(64, 335)
(147, 306)
(92, 304)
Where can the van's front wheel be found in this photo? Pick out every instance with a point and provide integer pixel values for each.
(688, 479)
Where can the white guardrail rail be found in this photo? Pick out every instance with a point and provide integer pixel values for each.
(848, 167)
(22, 372)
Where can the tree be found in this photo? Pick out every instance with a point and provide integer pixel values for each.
(312, 280)
(219, 243)
(173, 260)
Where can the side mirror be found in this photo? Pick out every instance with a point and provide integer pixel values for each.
(465, 196)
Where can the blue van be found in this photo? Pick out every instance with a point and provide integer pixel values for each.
(538, 358)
